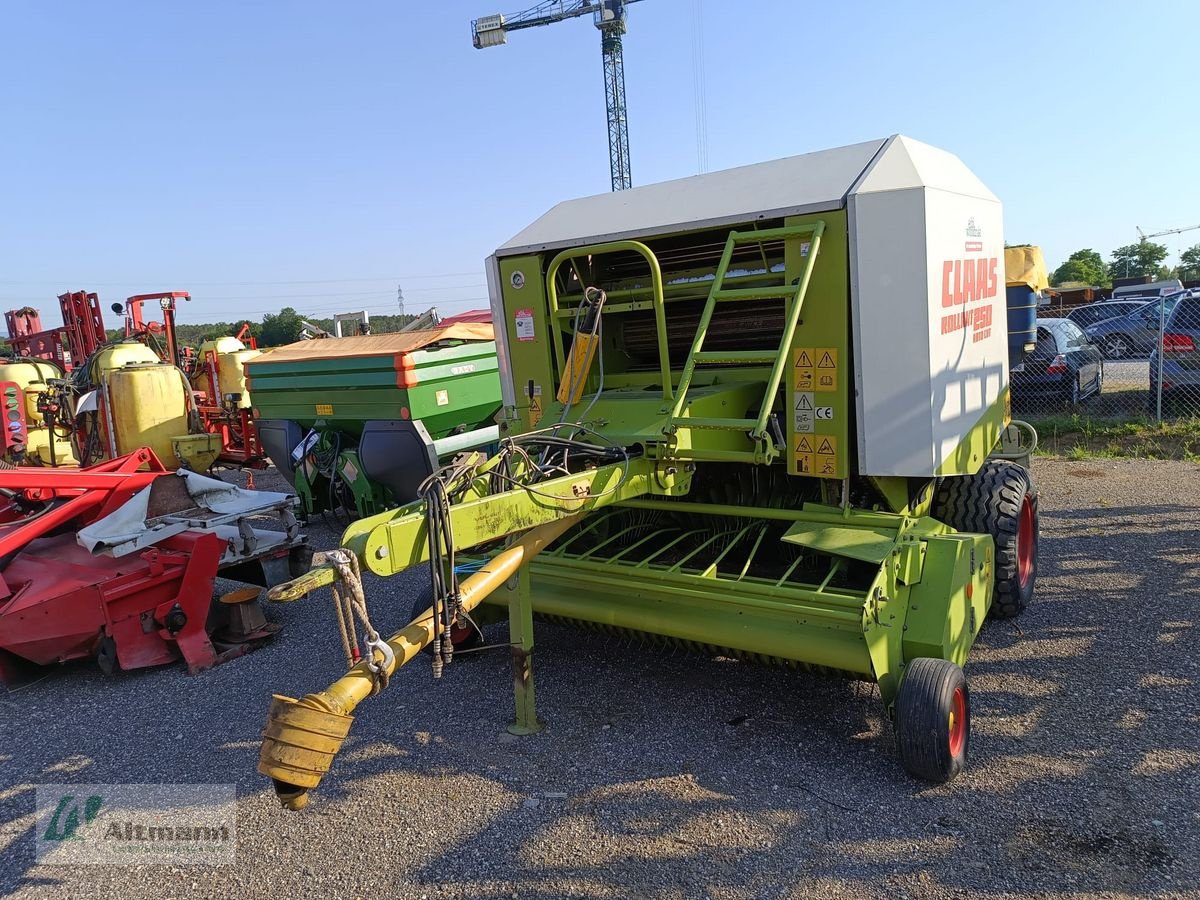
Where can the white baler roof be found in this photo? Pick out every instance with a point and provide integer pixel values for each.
(811, 182)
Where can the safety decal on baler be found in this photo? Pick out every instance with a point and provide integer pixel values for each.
(805, 458)
(827, 368)
(524, 322)
(803, 368)
(826, 462)
(535, 406)
(814, 375)
(805, 414)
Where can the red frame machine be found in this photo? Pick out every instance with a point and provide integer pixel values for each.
(59, 602)
(239, 437)
(78, 338)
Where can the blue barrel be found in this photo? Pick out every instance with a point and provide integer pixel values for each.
(1022, 321)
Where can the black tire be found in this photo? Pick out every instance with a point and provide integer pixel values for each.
(463, 639)
(1000, 500)
(933, 720)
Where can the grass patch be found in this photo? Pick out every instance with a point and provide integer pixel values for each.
(1078, 436)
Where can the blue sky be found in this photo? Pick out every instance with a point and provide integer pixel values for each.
(315, 155)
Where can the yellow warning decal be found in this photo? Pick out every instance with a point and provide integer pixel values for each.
(826, 454)
(826, 368)
(324, 409)
(805, 460)
(802, 368)
(535, 406)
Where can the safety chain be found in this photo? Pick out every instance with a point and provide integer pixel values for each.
(349, 601)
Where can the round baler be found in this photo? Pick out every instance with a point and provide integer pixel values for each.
(751, 412)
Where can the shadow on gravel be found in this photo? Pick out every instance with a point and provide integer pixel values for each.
(669, 776)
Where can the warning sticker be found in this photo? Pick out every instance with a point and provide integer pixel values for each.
(826, 461)
(442, 398)
(324, 409)
(535, 406)
(804, 416)
(802, 368)
(524, 322)
(826, 368)
(805, 461)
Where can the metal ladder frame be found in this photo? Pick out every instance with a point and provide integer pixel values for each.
(757, 428)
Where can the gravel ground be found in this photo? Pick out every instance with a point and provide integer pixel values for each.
(672, 776)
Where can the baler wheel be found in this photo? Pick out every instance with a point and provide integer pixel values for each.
(1000, 500)
(933, 719)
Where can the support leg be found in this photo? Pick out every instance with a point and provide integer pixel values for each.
(520, 636)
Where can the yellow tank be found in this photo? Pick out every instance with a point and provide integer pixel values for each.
(38, 445)
(31, 378)
(33, 418)
(148, 408)
(118, 356)
(232, 356)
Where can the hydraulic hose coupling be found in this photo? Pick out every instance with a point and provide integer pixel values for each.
(299, 743)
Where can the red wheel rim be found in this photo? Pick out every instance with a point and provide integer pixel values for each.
(958, 721)
(1026, 541)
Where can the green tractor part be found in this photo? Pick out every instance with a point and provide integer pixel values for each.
(357, 423)
(751, 412)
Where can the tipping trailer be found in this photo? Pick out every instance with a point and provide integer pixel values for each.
(752, 412)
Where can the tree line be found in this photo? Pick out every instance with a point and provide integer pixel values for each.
(1087, 267)
(275, 329)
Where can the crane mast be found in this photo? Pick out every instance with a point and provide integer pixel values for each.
(609, 17)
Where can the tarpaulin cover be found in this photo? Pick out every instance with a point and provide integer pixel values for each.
(129, 521)
(1025, 265)
(374, 344)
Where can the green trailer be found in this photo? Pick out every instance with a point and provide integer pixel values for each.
(357, 423)
(753, 412)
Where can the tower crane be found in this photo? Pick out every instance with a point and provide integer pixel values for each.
(609, 17)
(1145, 237)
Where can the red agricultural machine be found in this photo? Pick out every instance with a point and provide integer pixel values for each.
(117, 562)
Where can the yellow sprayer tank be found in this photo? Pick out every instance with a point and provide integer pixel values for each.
(149, 408)
(232, 356)
(31, 378)
(117, 356)
(38, 445)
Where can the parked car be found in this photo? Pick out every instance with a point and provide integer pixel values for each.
(1083, 316)
(1180, 358)
(1132, 335)
(1064, 367)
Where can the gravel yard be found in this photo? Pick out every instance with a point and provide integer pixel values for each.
(675, 776)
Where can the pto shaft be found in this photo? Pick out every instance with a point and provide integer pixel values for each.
(303, 736)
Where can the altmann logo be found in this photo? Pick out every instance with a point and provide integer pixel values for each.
(132, 824)
(69, 815)
(137, 831)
